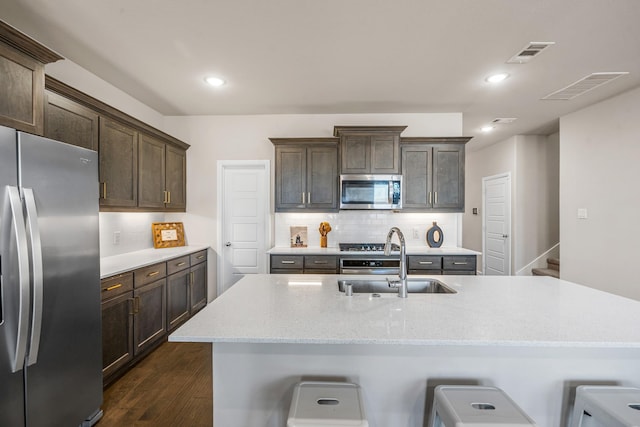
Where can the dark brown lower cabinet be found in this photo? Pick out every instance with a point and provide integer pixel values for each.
(140, 307)
(117, 333)
(178, 298)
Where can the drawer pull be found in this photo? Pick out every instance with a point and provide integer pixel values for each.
(180, 264)
(426, 262)
(287, 262)
(200, 257)
(153, 273)
(460, 263)
(320, 262)
(110, 288)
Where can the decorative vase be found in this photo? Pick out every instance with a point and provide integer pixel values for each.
(435, 236)
(323, 241)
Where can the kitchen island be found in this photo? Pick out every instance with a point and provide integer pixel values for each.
(535, 337)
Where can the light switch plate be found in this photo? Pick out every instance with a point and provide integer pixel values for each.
(582, 213)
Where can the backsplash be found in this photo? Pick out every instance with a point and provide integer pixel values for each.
(126, 232)
(368, 226)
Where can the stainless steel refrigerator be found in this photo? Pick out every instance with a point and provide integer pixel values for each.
(50, 332)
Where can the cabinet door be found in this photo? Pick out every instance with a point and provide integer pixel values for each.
(291, 176)
(198, 275)
(178, 298)
(118, 153)
(176, 178)
(150, 321)
(448, 177)
(356, 152)
(385, 151)
(21, 91)
(70, 122)
(322, 177)
(416, 177)
(151, 172)
(117, 333)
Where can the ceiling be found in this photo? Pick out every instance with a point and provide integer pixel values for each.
(346, 56)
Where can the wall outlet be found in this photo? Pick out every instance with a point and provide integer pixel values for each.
(116, 237)
(416, 233)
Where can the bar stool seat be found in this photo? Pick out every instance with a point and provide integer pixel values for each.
(330, 404)
(477, 406)
(612, 406)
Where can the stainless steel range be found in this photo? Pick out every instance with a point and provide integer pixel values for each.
(370, 259)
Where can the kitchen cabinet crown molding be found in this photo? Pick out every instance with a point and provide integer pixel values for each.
(25, 44)
(101, 108)
(435, 140)
(368, 130)
(302, 141)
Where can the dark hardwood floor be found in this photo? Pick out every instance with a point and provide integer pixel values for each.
(170, 387)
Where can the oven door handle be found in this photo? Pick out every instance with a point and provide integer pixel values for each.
(391, 271)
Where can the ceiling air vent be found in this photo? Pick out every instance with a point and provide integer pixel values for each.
(583, 85)
(503, 120)
(530, 50)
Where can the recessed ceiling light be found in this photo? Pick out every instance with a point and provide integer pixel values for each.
(497, 78)
(214, 81)
(487, 128)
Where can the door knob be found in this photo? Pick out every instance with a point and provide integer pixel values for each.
(227, 244)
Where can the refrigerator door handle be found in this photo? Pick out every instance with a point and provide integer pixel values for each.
(37, 274)
(17, 223)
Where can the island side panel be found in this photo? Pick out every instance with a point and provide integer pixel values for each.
(253, 383)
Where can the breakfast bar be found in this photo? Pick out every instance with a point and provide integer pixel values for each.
(534, 337)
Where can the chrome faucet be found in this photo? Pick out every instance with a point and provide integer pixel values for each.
(402, 283)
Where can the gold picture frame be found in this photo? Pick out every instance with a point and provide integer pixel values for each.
(167, 234)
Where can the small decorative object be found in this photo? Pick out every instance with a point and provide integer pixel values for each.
(324, 229)
(298, 237)
(167, 234)
(435, 236)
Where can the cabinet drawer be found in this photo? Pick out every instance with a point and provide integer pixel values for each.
(425, 262)
(287, 262)
(425, 272)
(287, 271)
(149, 274)
(116, 285)
(459, 263)
(320, 262)
(178, 264)
(198, 257)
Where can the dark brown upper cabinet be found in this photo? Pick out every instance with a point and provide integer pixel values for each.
(70, 122)
(22, 62)
(162, 174)
(433, 174)
(306, 174)
(369, 149)
(141, 168)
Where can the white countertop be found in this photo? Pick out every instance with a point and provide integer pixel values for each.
(507, 311)
(411, 250)
(117, 264)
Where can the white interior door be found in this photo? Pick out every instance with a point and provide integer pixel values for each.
(244, 225)
(496, 225)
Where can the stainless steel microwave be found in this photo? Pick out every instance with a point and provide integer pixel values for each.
(370, 191)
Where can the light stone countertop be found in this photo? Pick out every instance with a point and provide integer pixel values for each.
(411, 250)
(112, 265)
(506, 311)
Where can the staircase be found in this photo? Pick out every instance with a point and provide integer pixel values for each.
(553, 269)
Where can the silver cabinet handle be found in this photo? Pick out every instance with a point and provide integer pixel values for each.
(287, 262)
(435, 196)
(429, 197)
(22, 326)
(180, 264)
(37, 274)
(303, 197)
(426, 262)
(309, 197)
(460, 263)
(320, 262)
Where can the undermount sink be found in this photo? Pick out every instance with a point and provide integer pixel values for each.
(381, 286)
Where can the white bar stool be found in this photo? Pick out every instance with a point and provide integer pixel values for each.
(612, 406)
(326, 404)
(462, 406)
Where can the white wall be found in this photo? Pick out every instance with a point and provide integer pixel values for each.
(532, 161)
(600, 171)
